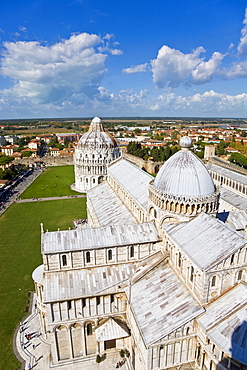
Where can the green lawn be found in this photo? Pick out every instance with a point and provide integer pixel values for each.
(53, 182)
(20, 255)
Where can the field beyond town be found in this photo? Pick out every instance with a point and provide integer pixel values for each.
(20, 246)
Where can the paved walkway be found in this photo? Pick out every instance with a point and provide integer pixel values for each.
(50, 198)
(35, 351)
(19, 189)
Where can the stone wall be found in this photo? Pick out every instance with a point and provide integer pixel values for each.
(149, 166)
(47, 161)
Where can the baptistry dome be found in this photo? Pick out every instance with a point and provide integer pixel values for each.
(96, 137)
(184, 174)
(95, 151)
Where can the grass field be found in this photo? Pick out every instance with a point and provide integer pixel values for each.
(20, 255)
(53, 182)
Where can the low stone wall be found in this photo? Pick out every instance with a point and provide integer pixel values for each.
(48, 161)
(228, 165)
(149, 166)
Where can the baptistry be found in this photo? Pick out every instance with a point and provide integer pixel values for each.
(95, 151)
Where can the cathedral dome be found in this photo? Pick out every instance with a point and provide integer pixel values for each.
(96, 137)
(184, 175)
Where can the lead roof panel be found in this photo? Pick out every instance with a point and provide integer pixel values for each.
(134, 180)
(161, 304)
(100, 237)
(206, 240)
(107, 206)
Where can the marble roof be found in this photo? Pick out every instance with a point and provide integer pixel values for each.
(205, 240)
(134, 180)
(234, 199)
(225, 323)
(161, 303)
(100, 237)
(75, 284)
(228, 173)
(107, 207)
(112, 329)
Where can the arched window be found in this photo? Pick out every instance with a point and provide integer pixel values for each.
(179, 260)
(192, 274)
(93, 181)
(213, 282)
(155, 213)
(240, 274)
(132, 251)
(64, 260)
(232, 259)
(110, 254)
(88, 257)
(89, 329)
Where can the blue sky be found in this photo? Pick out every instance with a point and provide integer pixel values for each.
(79, 58)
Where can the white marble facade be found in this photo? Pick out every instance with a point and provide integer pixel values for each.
(156, 272)
(95, 151)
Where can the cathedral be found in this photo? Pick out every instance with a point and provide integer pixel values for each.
(158, 271)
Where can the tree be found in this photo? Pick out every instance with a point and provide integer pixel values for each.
(220, 149)
(5, 159)
(238, 159)
(27, 153)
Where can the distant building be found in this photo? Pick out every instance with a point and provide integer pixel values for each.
(61, 138)
(2, 141)
(34, 144)
(54, 152)
(8, 149)
(209, 151)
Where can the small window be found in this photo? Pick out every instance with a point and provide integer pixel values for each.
(98, 301)
(179, 259)
(112, 298)
(89, 329)
(240, 274)
(69, 305)
(213, 283)
(64, 260)
(192, 274)
(132, 251)
(83, 302)
(232, 259)
(88, 257)
(110, 254)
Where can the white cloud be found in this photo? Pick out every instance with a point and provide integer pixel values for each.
(50, 73)
(208, 103)
(23, 29)
(205, 71)
(236, 70)
(136, 69)
(173, 67)
(242, 46)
